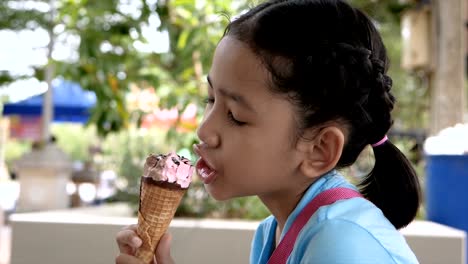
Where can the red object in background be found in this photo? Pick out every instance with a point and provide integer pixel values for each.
(167, 118)
(160, 118)
(25, 127)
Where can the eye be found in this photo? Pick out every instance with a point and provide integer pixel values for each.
(234, 120)
(209, 100)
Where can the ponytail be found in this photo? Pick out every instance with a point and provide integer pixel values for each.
(393, 185)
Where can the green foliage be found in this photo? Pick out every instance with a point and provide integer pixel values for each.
(383, 11)
(5, 78)
(126, 152)
(108, 60)
(74, 140)
(21, 18)
(14, 149)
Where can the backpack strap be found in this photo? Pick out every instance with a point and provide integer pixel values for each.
(284, 249)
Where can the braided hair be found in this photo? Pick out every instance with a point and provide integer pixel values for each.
(329, 59)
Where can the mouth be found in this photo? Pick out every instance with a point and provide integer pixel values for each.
(205, 171)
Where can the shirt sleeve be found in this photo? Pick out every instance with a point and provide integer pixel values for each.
(339, 242)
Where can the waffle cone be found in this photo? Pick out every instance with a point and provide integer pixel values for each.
(157, 208)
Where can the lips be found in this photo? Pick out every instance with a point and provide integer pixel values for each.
(204, 169)
(206, 173)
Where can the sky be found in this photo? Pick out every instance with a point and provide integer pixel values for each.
(20, 51)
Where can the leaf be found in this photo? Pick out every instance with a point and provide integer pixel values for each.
(183, 39)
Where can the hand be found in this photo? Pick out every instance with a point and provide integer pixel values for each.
(129, 242)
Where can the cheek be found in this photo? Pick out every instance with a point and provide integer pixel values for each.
(255, 159)
(258, 145)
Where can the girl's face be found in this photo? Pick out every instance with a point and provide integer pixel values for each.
(248, 133)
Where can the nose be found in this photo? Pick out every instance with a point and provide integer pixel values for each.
(207, 131)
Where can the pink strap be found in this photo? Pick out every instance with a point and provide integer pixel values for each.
(282, 252)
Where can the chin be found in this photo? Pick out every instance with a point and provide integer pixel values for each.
(217, 194)
(221, 194)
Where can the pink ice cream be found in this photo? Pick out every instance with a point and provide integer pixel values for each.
(170, 168)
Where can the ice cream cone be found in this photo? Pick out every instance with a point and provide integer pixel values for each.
(158, 205)
(163, 184)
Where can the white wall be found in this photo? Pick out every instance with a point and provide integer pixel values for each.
(82, 236)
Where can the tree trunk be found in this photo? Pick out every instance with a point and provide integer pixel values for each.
(448, 95)
(48, 103)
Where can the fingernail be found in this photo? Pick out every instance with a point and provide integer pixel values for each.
(136, 241)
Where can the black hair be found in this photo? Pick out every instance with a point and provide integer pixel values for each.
(329, 59)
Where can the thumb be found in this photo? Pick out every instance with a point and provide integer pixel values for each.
(163, 250)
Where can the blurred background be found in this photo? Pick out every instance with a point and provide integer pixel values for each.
(89, 88)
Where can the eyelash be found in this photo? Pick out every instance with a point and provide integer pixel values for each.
(209, 100)
(232, 119)
(235, 121)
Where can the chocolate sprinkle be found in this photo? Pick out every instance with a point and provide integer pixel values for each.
(175, 161)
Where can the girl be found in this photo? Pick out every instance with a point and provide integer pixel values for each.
(297, 89)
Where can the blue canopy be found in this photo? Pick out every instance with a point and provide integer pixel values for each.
(71, 103)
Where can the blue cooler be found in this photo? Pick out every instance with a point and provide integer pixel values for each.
(447, 190)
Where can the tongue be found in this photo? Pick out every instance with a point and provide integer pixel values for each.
(202, 168)
(205, 172)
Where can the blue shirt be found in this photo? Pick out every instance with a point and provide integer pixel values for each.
(352, 231)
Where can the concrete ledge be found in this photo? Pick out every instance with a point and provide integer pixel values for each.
(88, 236)
(435, 243)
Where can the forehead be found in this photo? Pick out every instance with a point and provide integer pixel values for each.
(235, 67)
(237, 70)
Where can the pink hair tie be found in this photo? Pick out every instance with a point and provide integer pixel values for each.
(383, 140)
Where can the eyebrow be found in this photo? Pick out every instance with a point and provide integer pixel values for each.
(233, 96)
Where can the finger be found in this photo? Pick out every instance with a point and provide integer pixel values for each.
(128, 241)
(163, 251)
(130, 227)
(127, 259)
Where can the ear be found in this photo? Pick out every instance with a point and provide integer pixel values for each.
(321, 154)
